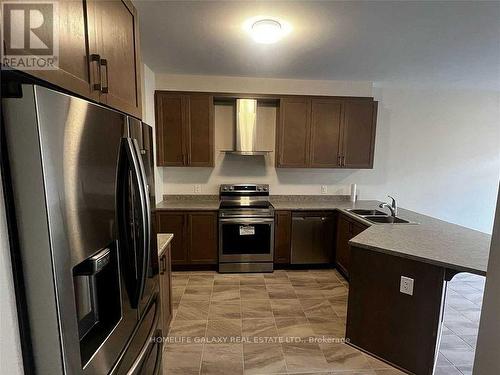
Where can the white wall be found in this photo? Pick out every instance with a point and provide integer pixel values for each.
(486, 359)
(148, 116)
(437, 150)
(10, 347)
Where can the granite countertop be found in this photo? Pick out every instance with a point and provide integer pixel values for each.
(280, 202)
(189, 203)
(431, 240)
(317, 202)
(163, 240)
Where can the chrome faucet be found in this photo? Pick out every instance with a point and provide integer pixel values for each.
(393, 207)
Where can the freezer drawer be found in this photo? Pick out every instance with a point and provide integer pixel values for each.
(143, 355)
(312, 238)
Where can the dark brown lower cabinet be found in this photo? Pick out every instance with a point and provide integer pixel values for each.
(346, 230)
(175, 223)
(202, 234)
(357, 228)
(166, 288)
(195, 236)
(282, 237)
(342, 248)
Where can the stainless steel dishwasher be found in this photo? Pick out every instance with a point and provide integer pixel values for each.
(312, 237)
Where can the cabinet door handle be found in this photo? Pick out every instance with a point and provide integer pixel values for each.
(104, 63)
(95, 58)
(343, 160)
(339, 160)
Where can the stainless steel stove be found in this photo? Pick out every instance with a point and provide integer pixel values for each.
(246, 228)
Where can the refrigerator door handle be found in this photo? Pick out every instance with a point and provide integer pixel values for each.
(146, 217)
(140, 269)
(159, 348)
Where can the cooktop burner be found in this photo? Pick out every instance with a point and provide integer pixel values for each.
(245, 200)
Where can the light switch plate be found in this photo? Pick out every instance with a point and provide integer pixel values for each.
(324, 189)
(406, 285)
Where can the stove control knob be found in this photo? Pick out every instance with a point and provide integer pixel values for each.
(231, 188)
(259, 188)
(266, 188)
(224, 188)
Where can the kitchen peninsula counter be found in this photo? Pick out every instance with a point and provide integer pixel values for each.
(426, 239)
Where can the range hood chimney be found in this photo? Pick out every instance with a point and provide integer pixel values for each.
(246, 129)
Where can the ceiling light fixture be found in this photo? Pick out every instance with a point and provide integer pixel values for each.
(266, 30)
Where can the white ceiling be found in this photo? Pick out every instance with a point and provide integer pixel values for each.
(419, 41)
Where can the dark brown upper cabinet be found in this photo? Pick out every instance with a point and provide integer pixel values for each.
(114, 54)
(326, 116)
(200, 130)
(293, 132)
(322, 132)
(99, 55)
(170, 129)
(359, 134)
(72, 73)
(184, 129)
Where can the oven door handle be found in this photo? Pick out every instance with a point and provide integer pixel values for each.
(244, 221)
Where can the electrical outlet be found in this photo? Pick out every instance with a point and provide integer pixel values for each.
(197, 189)
(406, 286)
(324, 189)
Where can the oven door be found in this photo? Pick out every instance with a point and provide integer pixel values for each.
(246, 239)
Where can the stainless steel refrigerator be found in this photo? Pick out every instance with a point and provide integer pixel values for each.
(82, 191)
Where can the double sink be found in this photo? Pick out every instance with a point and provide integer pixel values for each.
(378, 217)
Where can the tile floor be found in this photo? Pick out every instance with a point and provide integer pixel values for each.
(461, 324)
(289, 322)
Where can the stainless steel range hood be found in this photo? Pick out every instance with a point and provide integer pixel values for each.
(245, 142)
